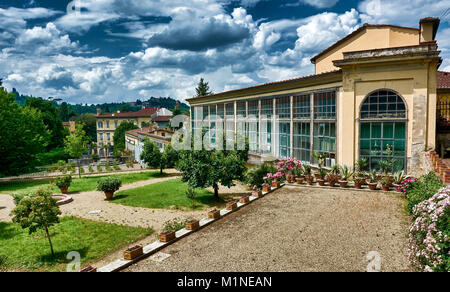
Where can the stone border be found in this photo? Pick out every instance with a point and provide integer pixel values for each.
(349, 188)
(156, 246)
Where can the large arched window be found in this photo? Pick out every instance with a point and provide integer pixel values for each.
(383, 129)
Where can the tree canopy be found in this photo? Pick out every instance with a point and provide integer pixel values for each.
(23, 135)
(203, 88)
(119, 135)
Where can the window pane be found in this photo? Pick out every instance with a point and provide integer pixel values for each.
(376, 130)
(365, 130)
(388, 130)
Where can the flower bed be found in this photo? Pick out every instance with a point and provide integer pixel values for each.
(429, 244)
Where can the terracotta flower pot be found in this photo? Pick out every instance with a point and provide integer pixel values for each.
(321, 182)
(257, 193)
(167, 236)
(343, 183)
(109, 195)
(386, 188)
(267, 189)
(213, 214)
(133, 252)
(244, 199)
(64, 190)
(299, 180)
(358, 186)
(192, 225)
(373, 186)
(276, 184)
(231, 206)
(310, 182)
(332, 184)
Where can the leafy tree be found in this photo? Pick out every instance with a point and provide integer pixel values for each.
(119, 135)
(66, 112)
(37, 211)
(50, 116)
(169, 158)
(151, 155)
(209, 168)
(75, 144)
(89, 125)
(23, 136)
(203, 88)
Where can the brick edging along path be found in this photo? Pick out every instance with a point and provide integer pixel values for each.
(156, 246)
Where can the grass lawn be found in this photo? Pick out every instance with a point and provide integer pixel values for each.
(164, 195)
(83, 184)
(93, 240)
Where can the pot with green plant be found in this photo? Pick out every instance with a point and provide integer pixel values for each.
(346, 173)
(307, 172)
(192, 224)
(63, 183)
(231, 205)
(373, 180)
(256, 192)
(133, 252)
(299, 177)
(359, 182)
(333, 179)
(167, 235)
(244, 199)
(321, 174)
(213, 214)
(320, 158)
(386, 183)
(398, 178)
(265, 188)
(109, 185)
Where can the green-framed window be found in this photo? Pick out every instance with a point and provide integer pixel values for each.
(302, 141)
(284, 140)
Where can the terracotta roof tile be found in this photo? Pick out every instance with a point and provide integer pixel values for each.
(443, 80)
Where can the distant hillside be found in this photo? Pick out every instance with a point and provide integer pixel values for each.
(78, 109)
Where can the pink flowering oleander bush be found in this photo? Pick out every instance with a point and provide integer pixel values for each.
(405, 184)
(429, 243)
(289, 166)
(421, 189)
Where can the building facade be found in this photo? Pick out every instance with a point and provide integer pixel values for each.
(135, 139)
(373, 95)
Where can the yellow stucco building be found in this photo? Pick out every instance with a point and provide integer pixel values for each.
(373, 95)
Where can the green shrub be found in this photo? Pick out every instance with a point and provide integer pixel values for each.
(115, 166)
(109, 184)
(51, 157)
(255, 175)
(91, 169)
(81, 169)
(422, 189)
(108, 166)
(63, 181)
(99, 168)
(3, 260)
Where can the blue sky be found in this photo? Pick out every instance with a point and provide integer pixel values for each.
(122, 50)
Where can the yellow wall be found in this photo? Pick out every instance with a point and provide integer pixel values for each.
(368, 39)
(112, 126)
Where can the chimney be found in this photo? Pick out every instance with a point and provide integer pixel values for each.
(99, 111)
(428, 29)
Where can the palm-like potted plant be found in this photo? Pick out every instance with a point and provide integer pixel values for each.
(359, 181)
(346, 173)
(321, 174)
(307, 172)
(373, 180)
(63, 183)
(398, 177)
(109, 185)
(386, 183)
(320, 158)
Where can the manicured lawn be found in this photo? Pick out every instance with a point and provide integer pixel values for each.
(93, 240)
(83, 184)
(163, 195)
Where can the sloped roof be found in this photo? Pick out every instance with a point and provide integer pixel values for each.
(147, 112)
(443, 80)
(362, 28)
(162, 118)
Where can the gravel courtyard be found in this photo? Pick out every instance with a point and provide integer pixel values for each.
(297, 229)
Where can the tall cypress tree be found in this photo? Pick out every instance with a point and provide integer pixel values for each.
(203, 88)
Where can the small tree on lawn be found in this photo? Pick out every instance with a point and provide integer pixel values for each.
(151, 155)
(37, 211)
(75, 144)
(169, 158)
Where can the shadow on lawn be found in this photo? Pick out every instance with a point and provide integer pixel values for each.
(7, 231)
(61, 256)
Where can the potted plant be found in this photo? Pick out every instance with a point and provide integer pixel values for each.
(63, 183)
(346, 173)
(167, 235)
(307, 172)
(398, 178)
(373, 180)
(192, 224)
(231, 205)
(333, 179)
(266, 188)
(213, 214)
(244, 199)
(299, 178)
(256, 191)
(109, 185)
(88, 269)
(290, 178)
(320, 176)
(276, 183)
(94, 157)
(386, 183)
(133, 252)
(359, 181)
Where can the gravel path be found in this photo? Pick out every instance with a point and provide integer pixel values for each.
(297, 229)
